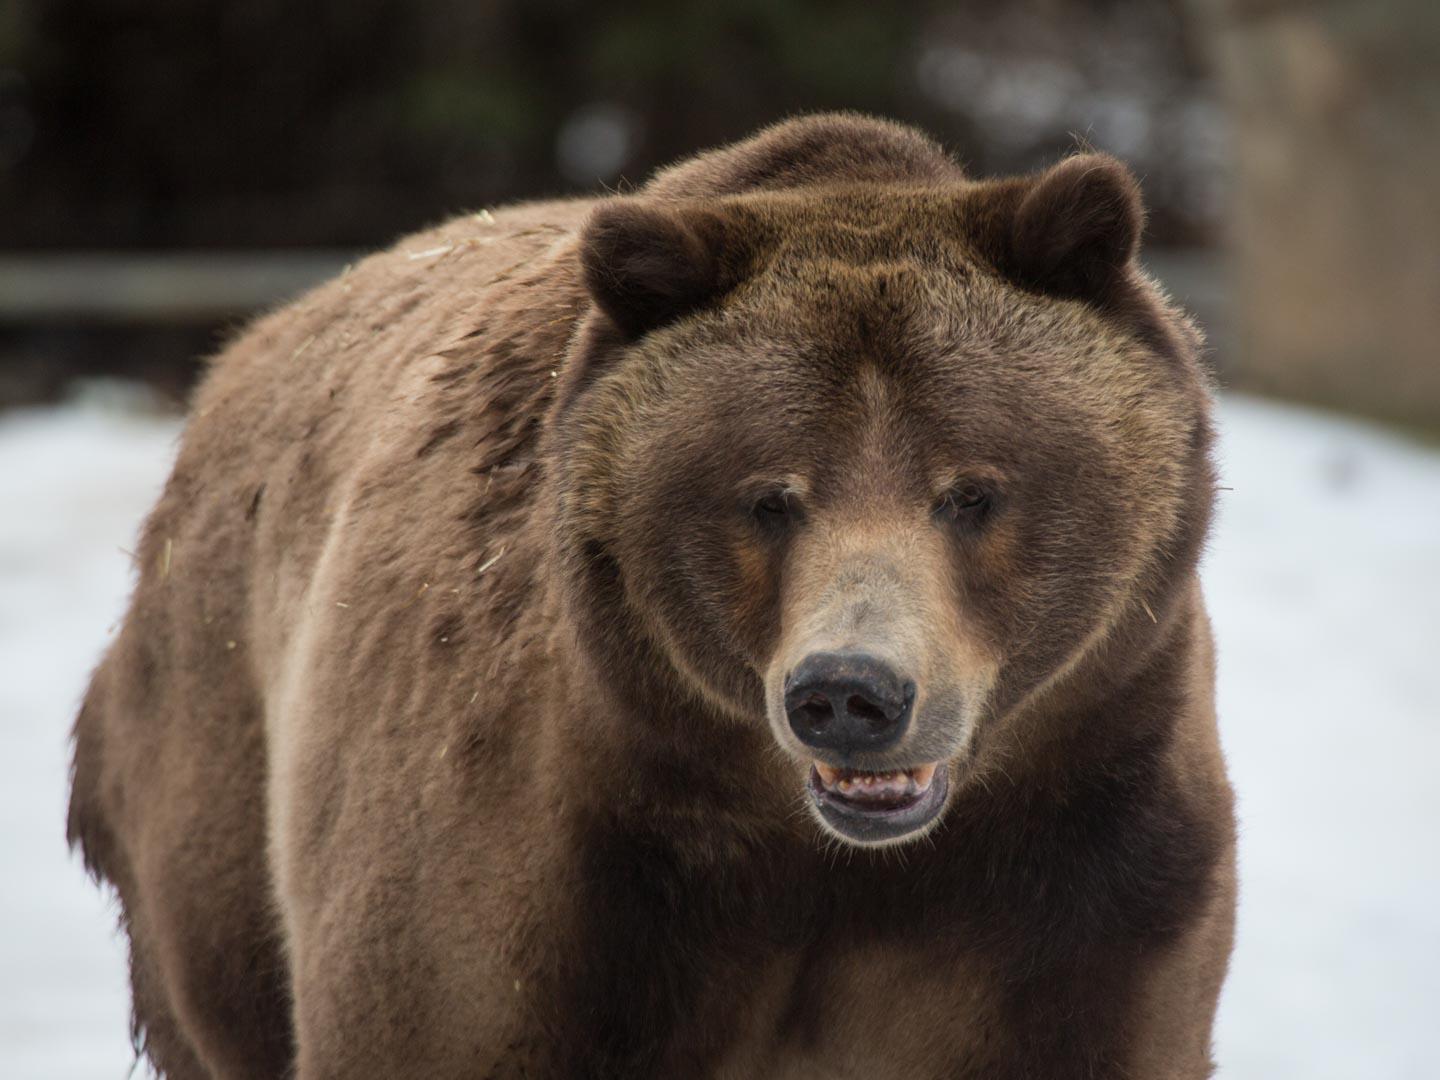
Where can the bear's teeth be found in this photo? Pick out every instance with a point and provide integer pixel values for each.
(923, 774)
(913, 781)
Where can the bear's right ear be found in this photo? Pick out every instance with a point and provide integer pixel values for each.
(648, 265)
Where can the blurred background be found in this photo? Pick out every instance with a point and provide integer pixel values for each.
(169, 167)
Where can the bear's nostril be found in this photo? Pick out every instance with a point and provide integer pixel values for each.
(867, 710)
(816, 711)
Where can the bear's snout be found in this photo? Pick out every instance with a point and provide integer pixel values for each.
(848, 703)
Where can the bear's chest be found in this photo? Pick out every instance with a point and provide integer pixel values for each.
(782, 965)
(775, 973)
(884, 1009)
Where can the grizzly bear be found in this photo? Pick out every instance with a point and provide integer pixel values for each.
(746, 627)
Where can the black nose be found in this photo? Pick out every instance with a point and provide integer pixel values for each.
(847, 702)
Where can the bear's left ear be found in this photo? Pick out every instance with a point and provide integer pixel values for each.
(647, 265)
(1075, 230)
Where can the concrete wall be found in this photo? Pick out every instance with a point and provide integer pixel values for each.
(1336, 233)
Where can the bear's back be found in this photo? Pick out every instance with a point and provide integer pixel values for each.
(391, 413)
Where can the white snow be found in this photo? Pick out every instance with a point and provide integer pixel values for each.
(74, 485)
(1324, 583)
(1324, 586)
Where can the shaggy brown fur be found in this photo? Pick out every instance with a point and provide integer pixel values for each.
(444, 737)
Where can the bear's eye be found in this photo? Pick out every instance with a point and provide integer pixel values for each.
(772, 508)
(966, 501)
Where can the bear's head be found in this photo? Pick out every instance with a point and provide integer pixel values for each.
(893, 462)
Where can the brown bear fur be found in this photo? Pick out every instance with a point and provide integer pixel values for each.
(439, 739)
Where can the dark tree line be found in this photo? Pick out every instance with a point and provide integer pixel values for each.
(193, 123)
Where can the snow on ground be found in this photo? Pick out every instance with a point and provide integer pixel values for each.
(1324, 582)
(1324, 586)
(74, 484)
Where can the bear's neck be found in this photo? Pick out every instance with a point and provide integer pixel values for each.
(1143, 684)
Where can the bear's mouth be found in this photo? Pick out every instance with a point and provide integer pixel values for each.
(875, 807)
